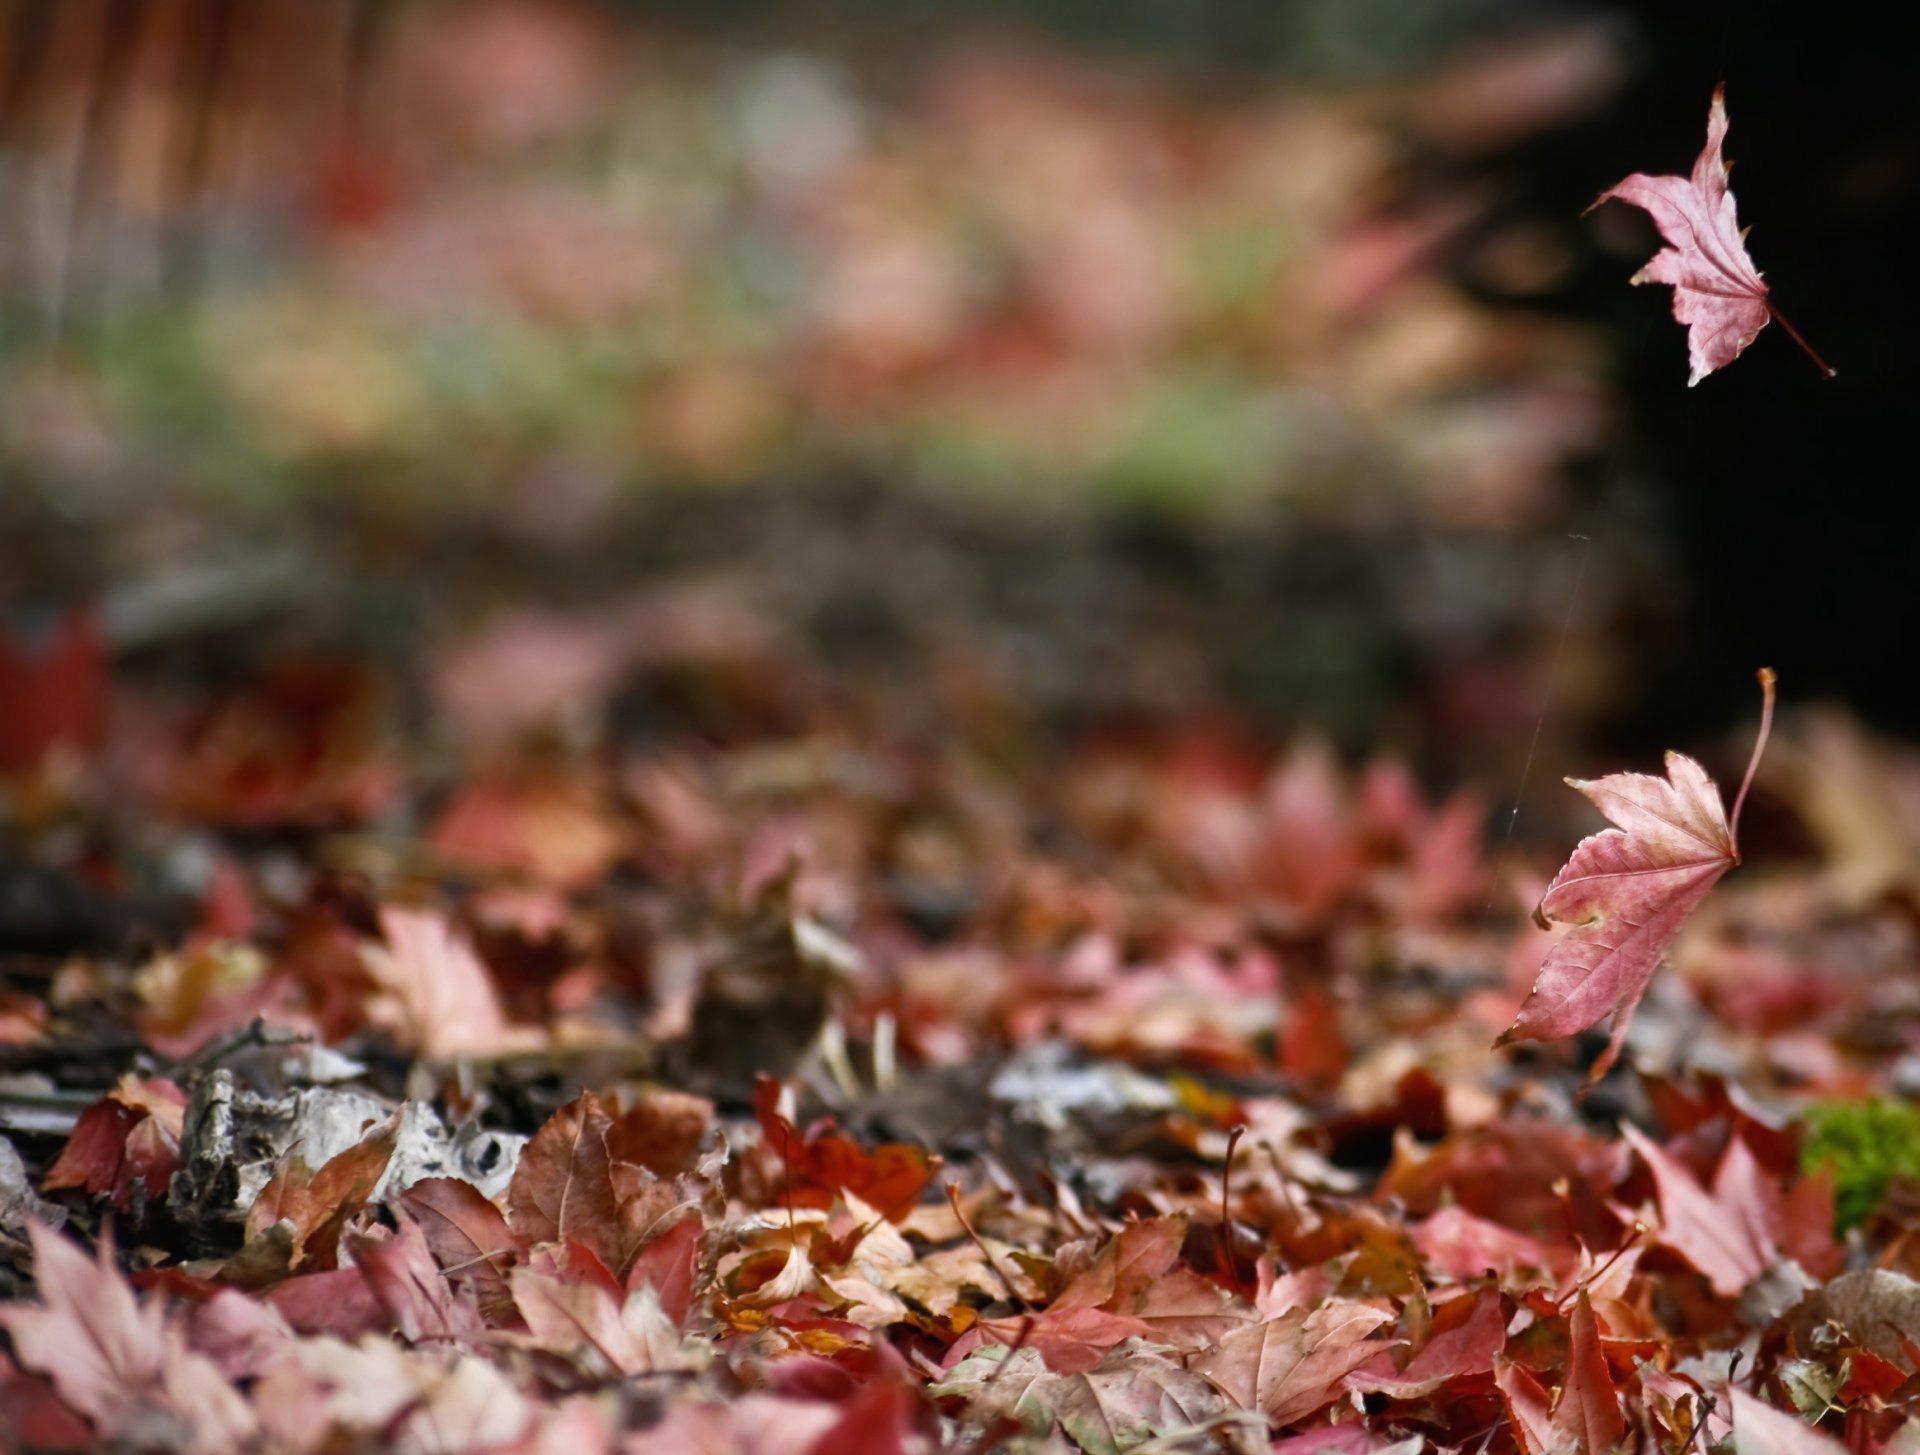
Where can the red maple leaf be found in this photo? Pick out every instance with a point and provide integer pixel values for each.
(1627, 891)
(1717, 292)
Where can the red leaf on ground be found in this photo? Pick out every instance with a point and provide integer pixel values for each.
(36, 1416)
(1760, 1429)
(1460, 1244)
(668, 1265)
(662, 1132)
(1628, 890)
(1467, 1346)
(469, 1236)
(55, 691)
(335, 1302)
(1587, 1417)
(403, 1276)
(1529, 1408)
(1134, 1276)
(563, 1186)
(130, 1135)
(824, 1161)
(1717, 292)
(1291, 1366)
(1722, 1233)
(1070, 1341)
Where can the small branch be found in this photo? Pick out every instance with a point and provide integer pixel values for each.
(953, 1197)
(1793, 333)
(1767, 680)
(1226, 1212)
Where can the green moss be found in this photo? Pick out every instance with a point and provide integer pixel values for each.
(1866, 1143)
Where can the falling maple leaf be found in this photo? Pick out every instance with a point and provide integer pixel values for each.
(1717, 292)
(1626, 892)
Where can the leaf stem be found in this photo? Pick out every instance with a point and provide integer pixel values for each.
(1234, 1134)
(1767, 680)
(953, 1197)
(1793, 333)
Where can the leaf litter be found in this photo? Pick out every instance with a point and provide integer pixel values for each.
(1180, 1130)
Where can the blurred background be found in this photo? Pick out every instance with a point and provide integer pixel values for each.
(1109, 365)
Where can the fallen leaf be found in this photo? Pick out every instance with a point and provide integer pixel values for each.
(1717, 292)
(1460, 1244)
(1466, 1347)
(1722, 1236)
(1133, 1396)
(468, 1235)
(563, 1186)
(1626, 892)
(55, 690)
(114, 1360)
(1587, 1416)
(1529, 1408)
(410, 1286)
(1135, 1277)
(432, 993)
(297, 1220)
(1760, 1429)
(1291, 1366)
(129, 1136)
(1876, 1307)
(824, 1161)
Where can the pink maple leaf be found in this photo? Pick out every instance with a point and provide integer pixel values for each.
(1626, 892)
(1717, 292)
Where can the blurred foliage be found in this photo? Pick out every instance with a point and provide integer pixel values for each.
(555, 241)
(1866, 1144)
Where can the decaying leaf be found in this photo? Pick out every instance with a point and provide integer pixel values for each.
(1627, 891)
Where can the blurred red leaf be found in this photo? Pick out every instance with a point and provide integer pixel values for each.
(1474, 1333)
(114, 1360)
(662, 1132)
(1760, 1429)
(825, 1161)
(563, 1186)
(55, 691)
(669, 1266)
(1723, 1233)
(432, 992)
(1460, 1244)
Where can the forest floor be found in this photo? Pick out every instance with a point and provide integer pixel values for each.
(678, 1024)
